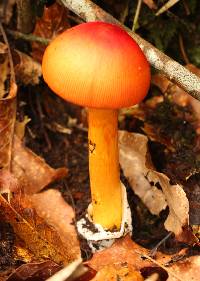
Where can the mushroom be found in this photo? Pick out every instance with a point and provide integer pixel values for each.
(99, 66)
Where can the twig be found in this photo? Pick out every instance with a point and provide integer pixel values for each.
(155, 249)
(28, 37)
(124, 13)
(173, 70)
(187, 9)
(182, 49)
(71, 271)
(166, 6)
(137, 12)
(159, 264)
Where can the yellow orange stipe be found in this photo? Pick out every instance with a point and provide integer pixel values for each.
(104, 168)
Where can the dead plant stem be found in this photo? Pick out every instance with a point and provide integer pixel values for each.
(137, 13)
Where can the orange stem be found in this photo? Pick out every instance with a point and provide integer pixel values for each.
(104, 168)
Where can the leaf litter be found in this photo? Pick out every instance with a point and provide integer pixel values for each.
(44, 223)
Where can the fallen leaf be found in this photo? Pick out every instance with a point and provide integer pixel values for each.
(34, 271)
(145, 181)
(178, 218)
(152, 132)
(133, 158)
(126, 252)
(6, 10)
(21, 126)
(8, 183)
(53, 22)
(41, 238)
(187, 269)
(71, 272)
(121, 272)
(31, 170)
(4, 69)
(51, 206)
(26, 69)
(7, 110)
(179, 96)
(151, 4)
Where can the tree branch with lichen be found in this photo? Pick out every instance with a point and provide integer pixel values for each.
(174, 71)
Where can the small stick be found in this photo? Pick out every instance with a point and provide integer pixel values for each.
(155, 249)
(137, 13)
(182, 49)
(28, 37)
(166, 6)
(159, 264)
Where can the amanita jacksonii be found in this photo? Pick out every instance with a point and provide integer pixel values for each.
(98, 65)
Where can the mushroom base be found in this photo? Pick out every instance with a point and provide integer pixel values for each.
(99, 238)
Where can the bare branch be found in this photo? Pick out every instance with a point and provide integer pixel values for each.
(89, 11)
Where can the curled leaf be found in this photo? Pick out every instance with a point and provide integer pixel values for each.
(31, 170)
(152, 187)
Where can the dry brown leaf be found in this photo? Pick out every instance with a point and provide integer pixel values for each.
(51, 206)
(179, 96)
(7, 121)
(4, 68)
(27, 70)
(41, 238)
(8, 183)
(53, 22)
(6, 10)
(126, 251)
(144, 181)
(150, 4)
(121, 272)
(31, 170)
(153, 135)
(7, 111)
(133, 153)
(37, 271)
(187, 269)
(20, 127)
(72, 272)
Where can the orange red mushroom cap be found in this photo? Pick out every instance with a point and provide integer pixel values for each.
(97, 65)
